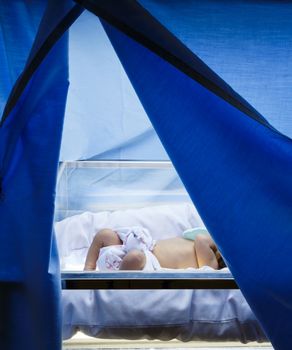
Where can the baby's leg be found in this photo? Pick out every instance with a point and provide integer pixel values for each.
(134, 260)
(103, 238)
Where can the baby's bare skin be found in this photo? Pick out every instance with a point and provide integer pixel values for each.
(176, 253)
(173, 253)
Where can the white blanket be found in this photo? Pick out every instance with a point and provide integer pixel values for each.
(159, 314)
(75, 234)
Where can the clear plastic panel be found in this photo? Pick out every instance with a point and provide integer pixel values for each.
(110, 185)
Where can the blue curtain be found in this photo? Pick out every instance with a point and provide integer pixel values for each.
(236, 167)
(247, 43)
(19, 21)
(29, 148)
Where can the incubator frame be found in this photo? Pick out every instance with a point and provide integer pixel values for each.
(74, 280)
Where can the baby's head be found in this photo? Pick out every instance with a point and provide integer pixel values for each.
(221, 262)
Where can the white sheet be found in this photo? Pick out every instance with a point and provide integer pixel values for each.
(75, 234)
(160, 314)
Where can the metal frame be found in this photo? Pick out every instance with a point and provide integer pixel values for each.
(147, 280)
(163, 164)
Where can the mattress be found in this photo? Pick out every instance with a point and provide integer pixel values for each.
(213, 315)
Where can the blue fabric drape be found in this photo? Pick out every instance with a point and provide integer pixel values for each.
(15, 41)
(248, 43)
(29, 149)
(237, 171)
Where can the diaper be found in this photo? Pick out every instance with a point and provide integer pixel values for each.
(136, 237)
(110, 258)
(152, 262)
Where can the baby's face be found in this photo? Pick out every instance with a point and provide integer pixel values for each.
(220, 260)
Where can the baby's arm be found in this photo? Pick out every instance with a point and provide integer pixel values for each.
(103, 238)
(206, 251)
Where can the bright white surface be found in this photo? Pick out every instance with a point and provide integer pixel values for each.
(75, 234)
(83, 342)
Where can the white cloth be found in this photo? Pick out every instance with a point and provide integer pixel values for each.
(136, 237)
(75, 233)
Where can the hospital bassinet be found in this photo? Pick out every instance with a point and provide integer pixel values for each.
(93, 195)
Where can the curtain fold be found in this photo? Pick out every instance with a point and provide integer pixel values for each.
(19, 21)
(30, 139)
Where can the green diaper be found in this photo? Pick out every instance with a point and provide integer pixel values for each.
(191, 233)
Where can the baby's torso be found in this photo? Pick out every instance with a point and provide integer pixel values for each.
(176, 253)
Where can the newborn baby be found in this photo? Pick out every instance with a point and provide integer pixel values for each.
(132, 248)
